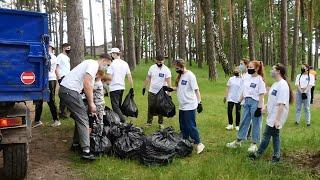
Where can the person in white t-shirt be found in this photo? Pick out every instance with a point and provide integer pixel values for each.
(80, 78)
(117, 72)
(159, 75)
(280, 96)
(189, 98)
(63, 68)
(233, 92)
(253, 92)
(304, 83)
(52, 88)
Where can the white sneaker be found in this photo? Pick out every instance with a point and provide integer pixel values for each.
(56, 123)
(234, 144)
(253, 148)
(200, 148)
(229, 127)
(37, 124)
(237, 128)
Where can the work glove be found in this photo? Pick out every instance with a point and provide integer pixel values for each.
(131, 91)
(199, 108)
(166, 88)
(257, 113)
(143, 91)
(304, 96)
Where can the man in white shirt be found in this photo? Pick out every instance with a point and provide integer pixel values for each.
(117, 71)
(82, 78)
(159, 75)
(63, 68)
(52, 87)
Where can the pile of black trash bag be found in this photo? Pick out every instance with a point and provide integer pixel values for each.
(163, 105)
(161, 147)
(127, 141)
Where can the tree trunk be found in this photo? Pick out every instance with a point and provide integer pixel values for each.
(198, 35)
(231, 36)
(138, 32)
(105, 41)
(210, 52)
(75, 31)
(252, 54)
(284, 33)
(295, 40)
(303, 32)
(130, 34)
(182, 30)
(92, 43)
(118, 29)
(113, 21)
(145, 31)
(61, 22)
(221, 25)
(310, 33)
(159, 26)
(316, 53)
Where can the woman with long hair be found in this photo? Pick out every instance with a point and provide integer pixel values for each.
(254, 89)
(304, 83)
(280, 96)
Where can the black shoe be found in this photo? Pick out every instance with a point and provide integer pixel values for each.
(275, 159)
(88, 156)
(296, 123)
(75, 148)
(308, 125)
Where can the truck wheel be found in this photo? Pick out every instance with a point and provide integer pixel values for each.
(15, 157)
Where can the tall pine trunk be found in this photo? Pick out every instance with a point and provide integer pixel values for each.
(105, 41)
(159, 26)
(182, 30)
(295, 40)
(75, 31)
(252, 53)
(284, 33)
(198, 35)
(118, 29)
(130, 34)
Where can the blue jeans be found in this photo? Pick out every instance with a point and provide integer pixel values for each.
(249, 107)
(306, 106)
(188, 126)
(268, 133)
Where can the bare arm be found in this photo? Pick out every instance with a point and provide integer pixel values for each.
(146, 81)
(261, 101)
(168, 80)
(88, 90)
(227, 92)
(130, 80)
(58, 72)
(278, 115)
(197, 91)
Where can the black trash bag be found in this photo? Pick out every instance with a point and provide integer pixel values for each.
(183, 146)
(106, 145)
(158, 149)
(95, 147)
(111, 117)
(129, 144)
(129, 107)
(163, 105)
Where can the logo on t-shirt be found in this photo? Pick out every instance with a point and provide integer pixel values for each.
(184, 82)
(253, 85)
(274, 92)
(308, 79)
(161, 75)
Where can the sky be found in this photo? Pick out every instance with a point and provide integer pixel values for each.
(97, 19)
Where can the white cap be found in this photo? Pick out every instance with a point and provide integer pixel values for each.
(115, 50)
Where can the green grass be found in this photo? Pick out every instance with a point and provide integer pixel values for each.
(217, 162)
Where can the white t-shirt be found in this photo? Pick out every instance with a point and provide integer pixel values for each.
(52, 73)
(305, 80)
(64, 64)
(186, 91)
(158, 77)
(253, 87)
(234, 84)
(74, 80)
(118, 69)
(278, 94)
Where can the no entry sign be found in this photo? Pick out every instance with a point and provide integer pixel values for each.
(27, 78)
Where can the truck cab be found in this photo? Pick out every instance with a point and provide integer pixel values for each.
(24, 65)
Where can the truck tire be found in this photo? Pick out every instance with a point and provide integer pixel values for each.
(15, 157)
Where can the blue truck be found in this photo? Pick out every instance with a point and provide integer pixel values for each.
(24, 65)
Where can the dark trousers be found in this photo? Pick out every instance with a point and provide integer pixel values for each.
(116, 100)
(268, 133)
(230, 109)
(51, 103)
(151, 99)
(312, 91)
(188, 125)
(62, 107)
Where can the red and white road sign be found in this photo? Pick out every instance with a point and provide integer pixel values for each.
(27, 78)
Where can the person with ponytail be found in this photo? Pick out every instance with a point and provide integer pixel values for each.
(304, 83)
(189, 102)
(254, 89)
(280, 96)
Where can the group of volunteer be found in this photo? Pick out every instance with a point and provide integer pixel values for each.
(82, 93)
(247, 88)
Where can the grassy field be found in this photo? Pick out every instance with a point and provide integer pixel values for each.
(217, 162)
